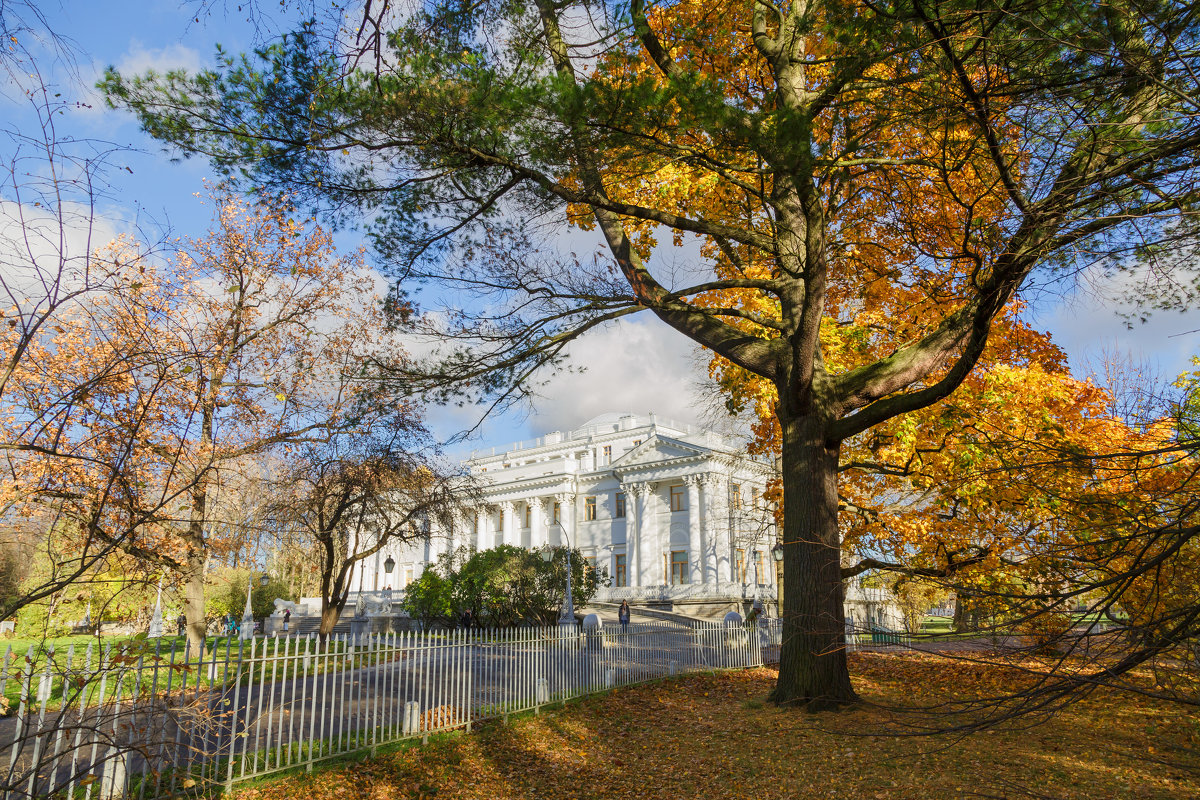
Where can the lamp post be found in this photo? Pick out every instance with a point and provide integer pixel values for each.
(567, 617)
(388, 566)
(247, 631)
(777, 554)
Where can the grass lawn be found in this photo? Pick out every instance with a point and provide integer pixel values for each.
(69, 653)
(714, 737)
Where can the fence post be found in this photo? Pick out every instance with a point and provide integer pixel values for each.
(470, 649)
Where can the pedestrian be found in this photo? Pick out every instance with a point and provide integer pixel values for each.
(467, 619)
(182, 624)
(623, 616)
(287, 616)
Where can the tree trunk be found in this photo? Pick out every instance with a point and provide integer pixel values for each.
(193, 571)
(966, 613)
(330, 613)
(812, 661)
(193, 603)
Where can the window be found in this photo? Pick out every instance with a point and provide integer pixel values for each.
(619, 510)
(408, 577)
(679, 567)
(756, 558)
(528, 514)
(620, 569)
(636, 442)
(557, 510)
(735, 495)
(739, 566)
(589, 566)
(608, 454)
(589, 508)
(677, 495)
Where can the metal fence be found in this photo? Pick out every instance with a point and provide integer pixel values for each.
(140, 721)
(874, 637)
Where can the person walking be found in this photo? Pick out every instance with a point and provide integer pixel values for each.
(287, 616)
(623, 616)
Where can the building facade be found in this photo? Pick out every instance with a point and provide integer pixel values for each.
(673, 513)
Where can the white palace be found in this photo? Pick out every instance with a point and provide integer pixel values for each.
(676, 514)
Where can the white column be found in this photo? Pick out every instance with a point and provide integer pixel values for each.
(632, 576)
(537, 522)
(708, 553)
(434, 544)
(566, 518)
(508, 523)
(695, 565)
(645, 549)
(731, 533)
(481, 529)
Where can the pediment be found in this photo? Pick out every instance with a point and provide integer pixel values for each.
(656, 449)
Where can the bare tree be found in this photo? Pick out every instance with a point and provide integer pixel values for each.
(346, 506)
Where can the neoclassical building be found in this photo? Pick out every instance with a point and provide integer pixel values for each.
(674, 513)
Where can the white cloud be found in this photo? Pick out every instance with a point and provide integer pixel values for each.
(43, 253)
(1096, 322)
(640, 366)
(139, 59)
(635, 365)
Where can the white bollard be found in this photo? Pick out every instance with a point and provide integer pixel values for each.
(542, 691)
(112, 781)
(412, 718)
(610, 678)
(674, 668)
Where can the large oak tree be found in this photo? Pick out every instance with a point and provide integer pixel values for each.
(992, 141)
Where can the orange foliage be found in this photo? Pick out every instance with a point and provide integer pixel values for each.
(1002, 467)
(130, 409)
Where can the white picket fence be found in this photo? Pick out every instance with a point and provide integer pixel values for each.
(141, 722)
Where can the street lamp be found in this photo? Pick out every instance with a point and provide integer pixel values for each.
(777, 552)
(567, 617)
(389, 565)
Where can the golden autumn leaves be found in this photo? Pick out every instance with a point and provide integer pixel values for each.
(168, 378)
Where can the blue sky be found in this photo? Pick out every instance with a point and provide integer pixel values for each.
(639, 366)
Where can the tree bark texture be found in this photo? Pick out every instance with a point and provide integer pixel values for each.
(813, 672)
(193, 602)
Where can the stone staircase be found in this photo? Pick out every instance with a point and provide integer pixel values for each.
(306, 626)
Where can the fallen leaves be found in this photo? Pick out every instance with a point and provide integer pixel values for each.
(712, 736)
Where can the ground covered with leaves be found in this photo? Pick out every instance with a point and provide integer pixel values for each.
(715, 737)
